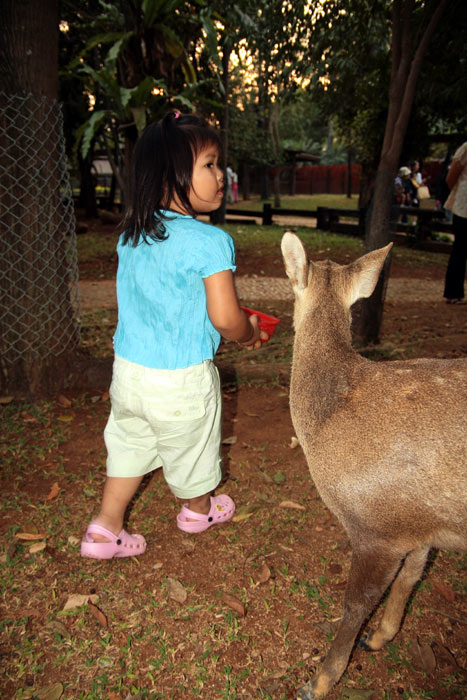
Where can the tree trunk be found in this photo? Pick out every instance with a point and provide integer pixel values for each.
(38, 326)
(406, 66)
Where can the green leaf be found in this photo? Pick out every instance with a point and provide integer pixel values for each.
(91, 127)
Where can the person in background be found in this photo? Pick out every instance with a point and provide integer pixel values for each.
(229, 173)
(456, 180)
(234, 186)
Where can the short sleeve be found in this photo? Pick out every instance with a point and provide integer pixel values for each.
(217, 253)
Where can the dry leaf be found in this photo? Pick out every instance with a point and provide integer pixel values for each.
(252, 415)
(65, 418)
(30, 536)
(293, 443)
(105, 396)
(63, 401)
(59, 628)
(37, 547)
(6, 399)
(234, 603)
(52, 692)
(446, 592)
(54, 491)
(27, 418)
(95, 399)
(98, 614)
(176, 590)
(244, 512)
(230, 440)
(326, 627)
(76, 600)
(264, 574)
(73, 540)
(445, 659)
(422, 657)
(335, 569)
(357, 694)
(291, 504)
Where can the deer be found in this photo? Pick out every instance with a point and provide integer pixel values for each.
(385, 443)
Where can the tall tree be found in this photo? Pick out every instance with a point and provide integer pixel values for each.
(368, 58)
(38, 329)
(413, 26)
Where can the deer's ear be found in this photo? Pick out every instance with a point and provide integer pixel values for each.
(296, 265)
(364, 274)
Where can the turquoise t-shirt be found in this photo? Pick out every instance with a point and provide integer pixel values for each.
(162, 317)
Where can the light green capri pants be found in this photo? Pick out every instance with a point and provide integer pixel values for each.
(169, 419)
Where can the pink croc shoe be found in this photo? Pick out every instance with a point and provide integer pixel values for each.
(222, 509)
(121, 545)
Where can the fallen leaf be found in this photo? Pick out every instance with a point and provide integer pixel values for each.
(339, 585)
(279, 478)
(244, 512)
(230, 440)
(54, 491)
(357, 694)
(445, 659)
(98, 614)
(63, 401)
(27, 418)
(30, 536)
(264, 574)
(234, 603)
(293, 443)
(76, 600)
(176, 590)
(52, 692)
(59, 628)
(335, 569)
(291, 504)
(252, 415)
(446, 592)
(422, 657)
(95, 399)
(65, 418)
(105, 396)
(73, 540)
(6, 399)
(326, 627)
(37, 547)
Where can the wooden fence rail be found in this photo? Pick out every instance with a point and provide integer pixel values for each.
(417, 233)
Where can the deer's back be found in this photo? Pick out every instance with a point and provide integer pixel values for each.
(391, 456)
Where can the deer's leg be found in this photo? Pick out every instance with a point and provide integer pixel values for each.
(400, 590)
(371, 572)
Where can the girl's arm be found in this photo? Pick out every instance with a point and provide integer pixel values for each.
(225, 313)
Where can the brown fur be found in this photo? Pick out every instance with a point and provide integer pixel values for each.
(385, 444)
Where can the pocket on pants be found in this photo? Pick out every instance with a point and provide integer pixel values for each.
(176, 407)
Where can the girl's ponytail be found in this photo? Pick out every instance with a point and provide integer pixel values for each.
(162, 169)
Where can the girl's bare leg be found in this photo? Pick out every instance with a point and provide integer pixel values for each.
(118, 492)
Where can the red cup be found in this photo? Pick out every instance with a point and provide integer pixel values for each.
(265, 322)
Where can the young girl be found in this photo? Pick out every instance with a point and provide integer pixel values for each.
(176, 297)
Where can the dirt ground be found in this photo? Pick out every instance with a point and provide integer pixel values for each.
(244, 610)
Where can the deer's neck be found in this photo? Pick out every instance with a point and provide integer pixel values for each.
(324, 365)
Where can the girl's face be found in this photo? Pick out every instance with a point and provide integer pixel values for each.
(207, 181)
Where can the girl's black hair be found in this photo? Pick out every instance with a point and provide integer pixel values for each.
(162, 170)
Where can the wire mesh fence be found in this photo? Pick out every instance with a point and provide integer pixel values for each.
(39, 293)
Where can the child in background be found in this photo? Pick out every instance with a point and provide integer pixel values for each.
(176, 297)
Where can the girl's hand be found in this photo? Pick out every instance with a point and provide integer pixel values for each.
(254, 343)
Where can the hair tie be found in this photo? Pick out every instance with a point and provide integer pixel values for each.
(176, 114)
